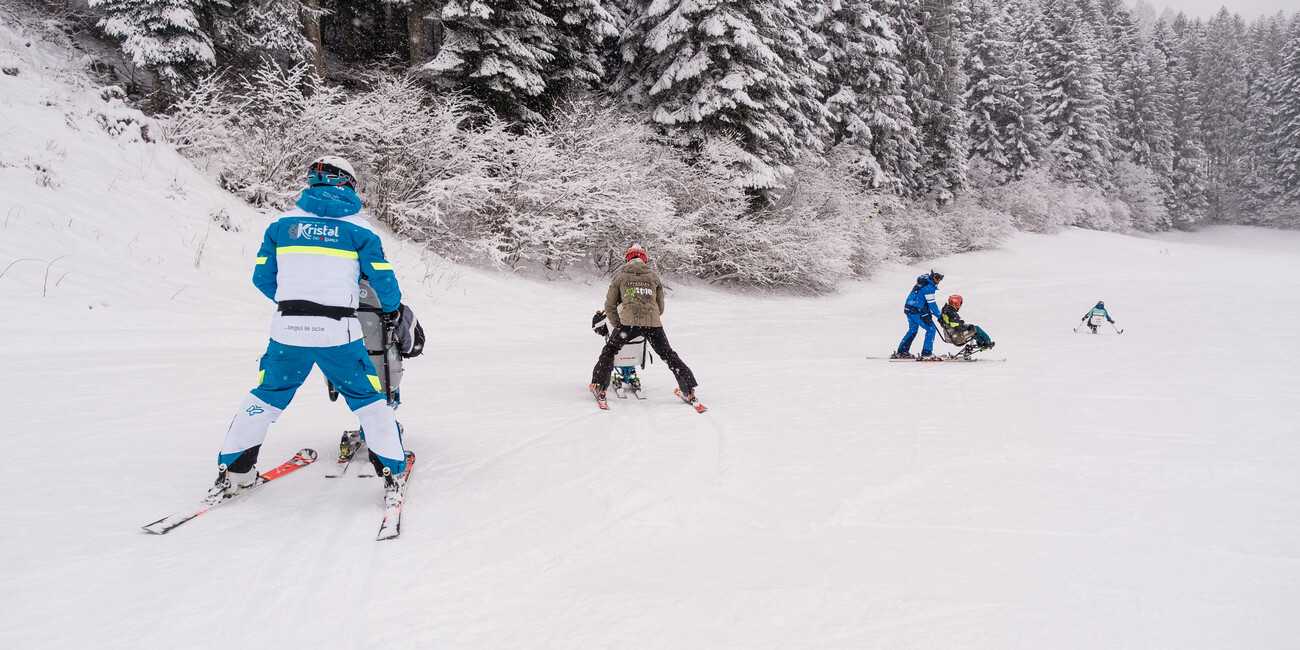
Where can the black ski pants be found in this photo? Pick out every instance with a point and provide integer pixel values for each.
(658, 342)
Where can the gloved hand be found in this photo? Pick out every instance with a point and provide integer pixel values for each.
(391, 318)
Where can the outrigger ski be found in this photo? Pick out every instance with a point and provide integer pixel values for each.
(303, 458)
(349, 446)
(352, 447)
(622, 392)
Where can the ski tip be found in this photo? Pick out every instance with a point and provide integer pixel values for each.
(308, 455)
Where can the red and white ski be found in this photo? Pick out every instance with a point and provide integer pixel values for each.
(303, 458)
(601, 400)
(391, 526)
(692, 400)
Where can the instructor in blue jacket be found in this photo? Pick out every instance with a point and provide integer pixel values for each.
(311, 263)
(921, 312)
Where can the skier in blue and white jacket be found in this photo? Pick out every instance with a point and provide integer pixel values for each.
(311, 263)
(1094, 316)
(921, 312)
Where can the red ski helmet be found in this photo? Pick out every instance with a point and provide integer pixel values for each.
(636, 251)
(955, 301)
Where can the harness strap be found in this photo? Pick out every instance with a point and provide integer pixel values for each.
(309, 308)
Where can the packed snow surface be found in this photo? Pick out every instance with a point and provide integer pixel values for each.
(1093, 491)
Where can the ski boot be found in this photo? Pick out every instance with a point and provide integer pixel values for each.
(230, 484)
(899, 354)
(927, 355)
(634, 383)
(241, 482)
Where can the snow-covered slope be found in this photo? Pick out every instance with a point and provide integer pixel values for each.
(1102, 491)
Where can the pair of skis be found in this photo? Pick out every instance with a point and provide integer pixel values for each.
(940, 358)
(389, 528)
(603, 400)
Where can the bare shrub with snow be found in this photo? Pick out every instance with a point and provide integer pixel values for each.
(1138, 188)
(822, 231)
(1029, 201)
(583, 187)
(973, 226)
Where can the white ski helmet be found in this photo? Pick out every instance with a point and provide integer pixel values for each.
(331, 170)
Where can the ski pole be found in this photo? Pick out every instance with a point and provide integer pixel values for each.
(1117, 329)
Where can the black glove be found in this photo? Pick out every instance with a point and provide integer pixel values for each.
(391, 318)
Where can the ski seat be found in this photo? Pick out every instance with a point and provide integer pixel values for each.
(954, 336)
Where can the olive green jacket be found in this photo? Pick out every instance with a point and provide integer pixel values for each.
(635, 297)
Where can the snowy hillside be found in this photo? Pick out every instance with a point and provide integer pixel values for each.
(1107, 491)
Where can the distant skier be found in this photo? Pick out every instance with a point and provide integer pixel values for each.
(920, 310)
(311, 262)
(633, 304)
(1094, 316)
(959, 331)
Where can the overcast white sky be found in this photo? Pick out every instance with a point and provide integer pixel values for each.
(1249, 9)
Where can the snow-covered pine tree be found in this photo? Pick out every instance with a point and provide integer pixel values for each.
(1222, 67)
(1001, 96)
(725, 68)
(164, 37)
(946, 133)
(246, 33)
(584, 30)
(1265, 47)
(1146, 121)
(1187, 201)
(864, 90)
(795, 44)
(519, 56)
(1120, 49)
(917, 56)
(1076, 108)
(1286, 117)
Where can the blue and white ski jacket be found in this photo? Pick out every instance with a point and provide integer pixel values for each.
(921, 300)
(319, 253)
(1098, 311)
